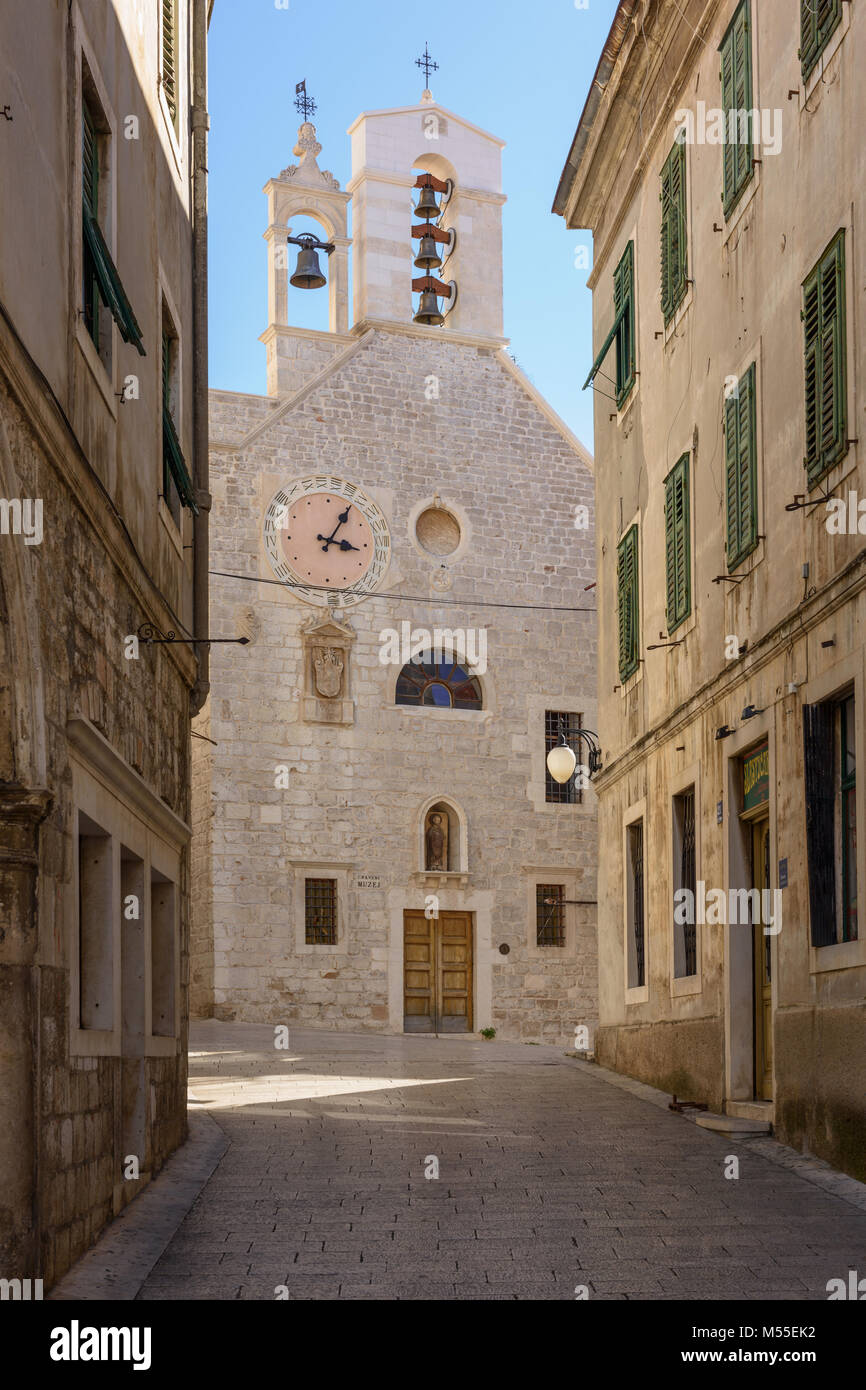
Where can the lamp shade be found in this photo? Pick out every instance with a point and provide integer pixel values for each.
(561, 762)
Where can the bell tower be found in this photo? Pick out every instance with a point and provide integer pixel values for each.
(305, 190)
(390, 149)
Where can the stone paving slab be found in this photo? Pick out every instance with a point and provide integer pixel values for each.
(553, 1174)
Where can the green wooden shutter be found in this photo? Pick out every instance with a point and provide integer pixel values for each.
(825, 362)
(741, 470)
(736, 77)
(169, 56)
(678, 544)
(90, 209)
(673, 232)
(818, 20)
(627, 603)
(623, 303)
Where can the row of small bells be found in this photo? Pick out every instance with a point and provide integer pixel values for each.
(428, 259)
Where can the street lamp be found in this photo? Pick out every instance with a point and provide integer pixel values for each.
(562, 759)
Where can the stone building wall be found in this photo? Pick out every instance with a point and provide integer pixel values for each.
(356, 793)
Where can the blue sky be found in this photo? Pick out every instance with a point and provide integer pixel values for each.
(520, 71)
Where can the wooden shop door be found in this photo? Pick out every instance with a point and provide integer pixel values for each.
(437, 972)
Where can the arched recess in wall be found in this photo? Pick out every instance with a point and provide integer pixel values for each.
(440, 168)
(22, 739)
(312, 309)
(458, 834)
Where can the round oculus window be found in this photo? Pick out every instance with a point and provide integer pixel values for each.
(438, 531)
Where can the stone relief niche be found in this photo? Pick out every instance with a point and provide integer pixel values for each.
(443, 842)
(327, 646)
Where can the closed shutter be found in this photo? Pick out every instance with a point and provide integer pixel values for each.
(818, 20)
(741, 470)
(623, 303)
(819, 764)
(736, 78)
(169, 56)
(678, 544)
(673, 232)
(825, 362)
(90, 210)
(627, 603)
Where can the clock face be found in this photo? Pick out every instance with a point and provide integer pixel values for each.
(324, 536)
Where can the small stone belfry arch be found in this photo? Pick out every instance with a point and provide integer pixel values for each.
(305, 190)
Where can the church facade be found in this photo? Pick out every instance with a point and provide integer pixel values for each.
(404, 532)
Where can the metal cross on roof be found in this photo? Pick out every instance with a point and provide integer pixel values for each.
(427, 64)
(304, 104)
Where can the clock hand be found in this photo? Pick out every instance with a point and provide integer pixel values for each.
(329, 540)
(346, 545)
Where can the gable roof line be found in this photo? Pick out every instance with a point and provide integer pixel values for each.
(546, 409)
(299, 396)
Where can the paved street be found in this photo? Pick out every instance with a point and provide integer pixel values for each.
(550, 1178)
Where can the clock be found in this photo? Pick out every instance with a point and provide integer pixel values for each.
(326, 538)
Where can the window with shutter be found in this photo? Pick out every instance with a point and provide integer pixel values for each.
(678, 544)
(741, 470)
(825, 362)
(90, 209)
(169, 56)
(674, 271)
(736, 78)
(818, 20)
(623, 303)
(627, 603)
(177, 486)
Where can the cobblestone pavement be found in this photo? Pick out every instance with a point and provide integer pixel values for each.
(550, 1178)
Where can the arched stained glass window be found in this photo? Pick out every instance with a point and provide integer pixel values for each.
(442, 684)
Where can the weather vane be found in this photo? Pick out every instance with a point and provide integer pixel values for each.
(304, 104)
(427, 64)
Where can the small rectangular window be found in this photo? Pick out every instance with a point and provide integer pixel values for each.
(741, 469)
(685, 929)
(96, 909)
(636, 964)
(320, 911)
(627, 604)
(674, 232)
(556, 722)
(818, 21)
(826, 368)
(549, 914)
(736, 77)
(678, 547)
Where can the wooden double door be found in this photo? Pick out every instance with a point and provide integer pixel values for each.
(437, 973)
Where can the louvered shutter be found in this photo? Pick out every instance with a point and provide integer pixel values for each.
(169, 56)
(741, 484)
(623, 303)
(736, 80)
(677, 544)
(818, 20)
(627, 603)
(825, 362)
(673, 231)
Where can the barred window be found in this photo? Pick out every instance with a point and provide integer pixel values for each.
(685, 928)
(549, 914)
(569, 792)
(320, 911)
(635, 904)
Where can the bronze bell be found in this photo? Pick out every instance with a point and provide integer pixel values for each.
(428, 310)
(428, 254)
(427, 207)
(308, 273)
